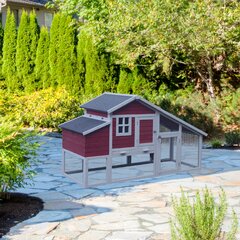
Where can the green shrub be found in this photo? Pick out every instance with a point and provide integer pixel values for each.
(16, 156)
(46, 108)
(202, 219)
(215, 143)
(232, 138)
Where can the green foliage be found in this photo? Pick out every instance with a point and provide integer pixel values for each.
(1, 48)
(66, 65)
(96, 69)
(42, 60)
(189, 106)
(16, 157)
(34, 31)
(54, 47)
(125, 81)
(216, 143)
(202, 219)
(46, 108)
(232, 138)
(81, 58)
(27, 40)
(229, 105)
(9, 53)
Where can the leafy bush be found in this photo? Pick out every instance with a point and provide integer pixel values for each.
(16, 156)
(46, 108)
(202, 219)
(216, 143)
(232, 138)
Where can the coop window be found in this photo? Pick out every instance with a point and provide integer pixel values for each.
(124, 126)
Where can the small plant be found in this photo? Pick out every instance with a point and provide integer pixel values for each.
(215, 143)
(232, 138)
(202, 219)
(16, 151)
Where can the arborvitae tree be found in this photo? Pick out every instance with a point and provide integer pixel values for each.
(125, 81)
(34, 37)
(67, 61)
(81, 59)
(96, 68)
(54, 47)
(9, 53)
(1, 48)
(23, 54)
(42, 60)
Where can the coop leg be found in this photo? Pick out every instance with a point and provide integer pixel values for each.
(129, 160)
(171, 155)
(151, 157)
(85, 172)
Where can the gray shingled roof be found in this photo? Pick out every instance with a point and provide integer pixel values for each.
(30, 2)
(83, 124)
(106, 101)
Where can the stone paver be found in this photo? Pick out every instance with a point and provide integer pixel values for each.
(138, 209)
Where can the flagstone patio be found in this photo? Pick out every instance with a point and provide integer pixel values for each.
(137, 209)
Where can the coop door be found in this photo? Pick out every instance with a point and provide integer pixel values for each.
(144, 131)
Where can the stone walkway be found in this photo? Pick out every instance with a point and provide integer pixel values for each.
(131, 210)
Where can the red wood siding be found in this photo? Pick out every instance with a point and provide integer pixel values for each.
(123, 141)
(74, 142)
(97, 143)
(134, 107)
(146, 131)
(97, 113)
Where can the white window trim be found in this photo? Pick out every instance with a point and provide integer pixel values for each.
(124, 125)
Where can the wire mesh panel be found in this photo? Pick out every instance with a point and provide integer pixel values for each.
(130, 167)
(168, 154)
(73, 166)
(190, 151)
(97, 171)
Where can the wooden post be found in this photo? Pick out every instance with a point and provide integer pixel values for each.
(171, 149)
(109, 169)
(200, 151)
(85, 172)
(63, 159)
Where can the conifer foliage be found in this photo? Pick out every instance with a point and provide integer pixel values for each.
(27, 40)
(9, 53)
(23, 51)
(54, 47)
(1, 48)
(42, 60)
(66, 65)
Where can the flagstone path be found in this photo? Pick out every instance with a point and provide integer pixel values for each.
(133, 210)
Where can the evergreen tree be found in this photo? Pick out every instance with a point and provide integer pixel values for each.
(23, 54)
(34, 37)
(1, 48)
(96, 70)
(54, 47)
(125, 81)
(67, 61)
(9, 53)
(42, 60)
(81, 59)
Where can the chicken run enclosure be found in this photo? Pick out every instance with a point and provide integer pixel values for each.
(122, 137)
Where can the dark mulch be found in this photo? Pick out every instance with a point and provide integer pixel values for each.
(17, 209)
